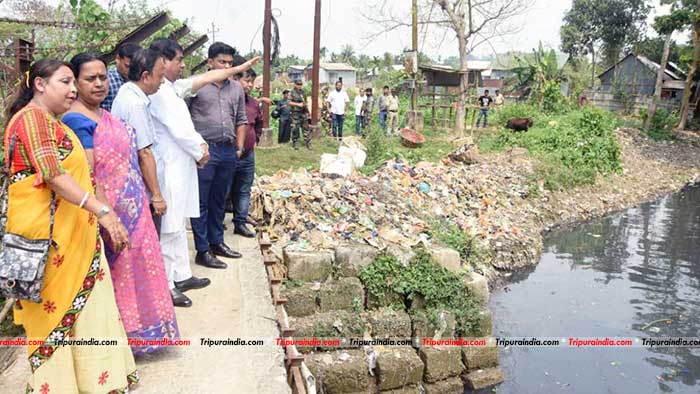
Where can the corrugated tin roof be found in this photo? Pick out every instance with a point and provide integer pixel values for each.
(653, 66)
(337, 67)
(675, 85)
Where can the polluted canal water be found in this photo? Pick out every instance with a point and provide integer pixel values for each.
(634, 274)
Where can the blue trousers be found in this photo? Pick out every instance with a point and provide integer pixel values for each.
(338, 125)
(214, 183)
(382, 119)
(240, 190)
(359, 124)
(483, 113)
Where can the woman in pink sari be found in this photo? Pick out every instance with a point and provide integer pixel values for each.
(140, 283)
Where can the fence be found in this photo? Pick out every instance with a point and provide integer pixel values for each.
(630, 103)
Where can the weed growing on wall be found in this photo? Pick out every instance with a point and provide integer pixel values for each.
(386, 279)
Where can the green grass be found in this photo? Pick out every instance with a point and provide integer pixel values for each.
(283, 157)
(573, 147)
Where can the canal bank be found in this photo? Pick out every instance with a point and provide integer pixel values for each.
(328, 231)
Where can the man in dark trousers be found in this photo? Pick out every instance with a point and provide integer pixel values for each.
(219, 115)
(485, 103)
(285, 119)
(245, 170)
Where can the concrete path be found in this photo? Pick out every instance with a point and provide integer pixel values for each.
(236, 305)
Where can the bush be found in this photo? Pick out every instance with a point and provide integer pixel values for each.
(662, 124)
(551, 98)
(386, 279)
(573, 148)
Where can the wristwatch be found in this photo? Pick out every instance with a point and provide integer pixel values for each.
(103, 211)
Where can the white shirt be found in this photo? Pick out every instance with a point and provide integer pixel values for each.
(338, 101)
(358, 104)
(133, 106)
(179, 145)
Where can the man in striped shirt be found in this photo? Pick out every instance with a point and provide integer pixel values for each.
(119, 75)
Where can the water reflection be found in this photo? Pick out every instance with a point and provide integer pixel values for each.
(633, 274)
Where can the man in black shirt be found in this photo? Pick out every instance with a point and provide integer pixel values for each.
(485, 103)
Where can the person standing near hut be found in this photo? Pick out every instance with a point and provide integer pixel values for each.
(485, 104)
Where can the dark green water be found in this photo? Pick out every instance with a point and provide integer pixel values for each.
(609, 278)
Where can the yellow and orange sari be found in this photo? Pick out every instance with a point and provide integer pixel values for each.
(77, 295)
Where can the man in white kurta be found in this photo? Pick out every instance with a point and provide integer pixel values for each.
(182, 150)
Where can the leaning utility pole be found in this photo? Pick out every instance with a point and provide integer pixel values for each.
(315, 88)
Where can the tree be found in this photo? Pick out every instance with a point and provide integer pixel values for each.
(347, 54)
(472, 22)
(653, 47)
(607, 26)
(539, 72)
(692, 13)
(664, 25)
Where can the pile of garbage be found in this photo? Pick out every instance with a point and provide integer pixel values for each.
(395, 205)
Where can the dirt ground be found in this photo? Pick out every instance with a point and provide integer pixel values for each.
(236, 305)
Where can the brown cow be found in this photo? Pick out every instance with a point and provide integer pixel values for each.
(519, 124)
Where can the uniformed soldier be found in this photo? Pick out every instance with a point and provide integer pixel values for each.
(300, 115)
(325, 111)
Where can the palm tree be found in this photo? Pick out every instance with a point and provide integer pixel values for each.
(347, 53)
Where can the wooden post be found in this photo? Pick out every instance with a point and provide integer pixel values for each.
(266, 61)
(316, 63)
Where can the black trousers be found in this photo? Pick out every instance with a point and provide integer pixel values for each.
(285, 130)
(156, 219)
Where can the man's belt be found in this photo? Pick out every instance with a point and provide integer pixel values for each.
(221, 143)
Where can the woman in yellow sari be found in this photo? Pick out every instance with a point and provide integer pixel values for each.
(77, 294)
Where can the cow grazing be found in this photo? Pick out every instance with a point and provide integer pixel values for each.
(519, 124)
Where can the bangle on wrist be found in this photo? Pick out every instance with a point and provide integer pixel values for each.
(84, 200)
(102, 212)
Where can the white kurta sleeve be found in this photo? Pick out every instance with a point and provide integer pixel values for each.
(171, 117)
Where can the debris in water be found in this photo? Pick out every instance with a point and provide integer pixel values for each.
(667, 320)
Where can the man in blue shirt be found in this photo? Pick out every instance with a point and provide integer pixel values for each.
(119, 75)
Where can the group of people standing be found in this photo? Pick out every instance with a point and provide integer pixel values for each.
(129, 154)
(293, 111)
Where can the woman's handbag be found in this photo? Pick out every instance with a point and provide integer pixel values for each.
(22, 260)
(275, 113)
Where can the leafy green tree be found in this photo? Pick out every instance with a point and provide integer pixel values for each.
(540, 73)
(665, 25)
(607, 26)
